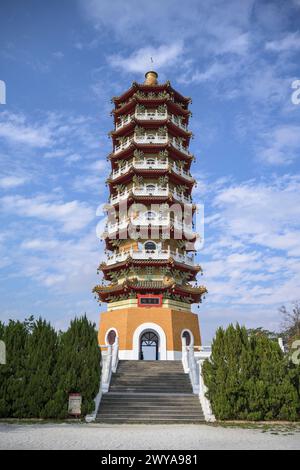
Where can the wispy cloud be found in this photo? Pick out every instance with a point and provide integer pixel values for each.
(16, 129)
(8, 182)
(290, 42)
(281, 145)
(68, 216)
(140, 60)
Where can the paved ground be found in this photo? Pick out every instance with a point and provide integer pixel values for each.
(146, 437)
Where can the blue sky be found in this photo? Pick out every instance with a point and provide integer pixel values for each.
(62, 61)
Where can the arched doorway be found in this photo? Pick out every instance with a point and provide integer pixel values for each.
(149, 344)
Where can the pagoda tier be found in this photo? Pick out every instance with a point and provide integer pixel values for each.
(151, 181)
(128, 124)
(137, 265)
(170, 290)
(146, 143)
(116, 232)
(154, 88)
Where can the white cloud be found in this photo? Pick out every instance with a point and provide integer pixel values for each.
(290, 42)
(238, 44)
(281, 145)
(140, 60)
(213, 73)
(67, 265)
(252, 252)
(70, 216)
(8, 182)
(15, 128)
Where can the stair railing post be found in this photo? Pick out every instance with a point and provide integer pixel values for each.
(115, 355)
(106, 369)
(193, 369)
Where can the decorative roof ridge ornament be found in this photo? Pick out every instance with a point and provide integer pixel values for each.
(151, 78)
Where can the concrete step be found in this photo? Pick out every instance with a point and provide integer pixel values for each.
(152, 392)
(149, 420)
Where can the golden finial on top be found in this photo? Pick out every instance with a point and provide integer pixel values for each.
(151, 78)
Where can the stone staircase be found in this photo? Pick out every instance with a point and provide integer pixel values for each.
(150, 392)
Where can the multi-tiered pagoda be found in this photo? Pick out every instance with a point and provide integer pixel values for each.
(149, 277)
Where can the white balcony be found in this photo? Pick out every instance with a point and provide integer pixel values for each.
(152, 138)
(119, 197)
(145, 164)
(181, 197)
(156, 221)
(180, 147)
(124, 145)
(178, 122)
(182, 172)
(121, 171)
(124, 121)
(151, 115)
(157, 254)
(115, 227)
(150, 190)
(151, 164)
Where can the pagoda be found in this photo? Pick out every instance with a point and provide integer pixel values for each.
(149, 275)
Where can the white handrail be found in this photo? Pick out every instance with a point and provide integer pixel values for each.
(205, 403)
(109, 364)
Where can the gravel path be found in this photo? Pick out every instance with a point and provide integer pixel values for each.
(145, 437)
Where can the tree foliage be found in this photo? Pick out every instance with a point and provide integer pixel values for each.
(248, 377)
(44, 366)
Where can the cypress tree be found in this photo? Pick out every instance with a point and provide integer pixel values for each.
(77, 369)
(249, 377)
(13, 373)
(41, 356)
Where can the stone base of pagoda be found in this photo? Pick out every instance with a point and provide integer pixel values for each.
(130, 324)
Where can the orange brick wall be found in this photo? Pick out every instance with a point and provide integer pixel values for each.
(125, 321)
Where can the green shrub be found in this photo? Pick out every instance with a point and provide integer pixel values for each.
(249, 378)
(43, 367)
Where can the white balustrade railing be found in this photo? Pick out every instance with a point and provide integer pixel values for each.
(151, 164)
(180, 146)
(154, 190)
(193, 367)
(151, 139)
(181, 197)
(124, 145)
(145, 221)
(145, 164)
(124, 121)
(119, 197)
(182, 172)
(151, 115)
(205, 403)
(151, 254)
(177, 121)
(109, 364)
(189, 364)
